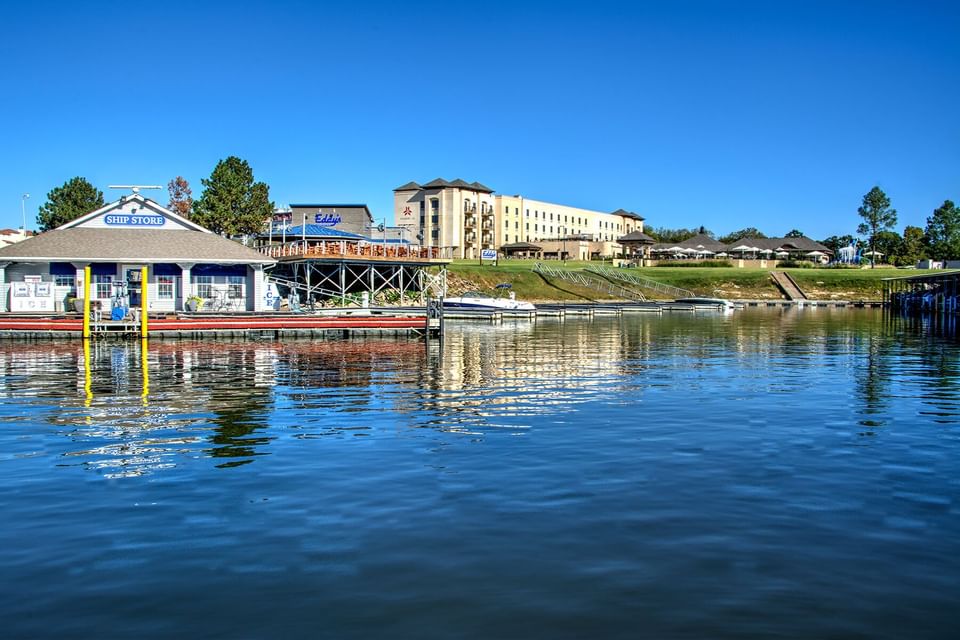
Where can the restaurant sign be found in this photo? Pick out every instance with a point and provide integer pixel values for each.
(327, 219)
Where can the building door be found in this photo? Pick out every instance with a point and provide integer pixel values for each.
(131, 277)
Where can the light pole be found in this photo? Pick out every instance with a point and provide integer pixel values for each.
(564, 245)
(23, 212)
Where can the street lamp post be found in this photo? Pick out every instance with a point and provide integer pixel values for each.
(23, 212)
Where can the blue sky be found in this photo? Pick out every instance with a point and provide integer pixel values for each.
(777, 115)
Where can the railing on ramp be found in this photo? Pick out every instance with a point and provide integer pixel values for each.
(621, 275)
(590, 281)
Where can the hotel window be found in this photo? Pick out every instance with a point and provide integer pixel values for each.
(506, 224)
(203, 286)
(235, 286)
(528, 226)
(165, 287)
(528, 212)
(103, 286)
(536, 227)
(516, 225)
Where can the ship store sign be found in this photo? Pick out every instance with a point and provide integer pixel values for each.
(133, 220)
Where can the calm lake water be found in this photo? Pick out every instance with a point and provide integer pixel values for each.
(771, 473)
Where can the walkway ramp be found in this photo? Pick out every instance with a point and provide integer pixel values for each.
(622, 275)
(589, 280)
(788, 285)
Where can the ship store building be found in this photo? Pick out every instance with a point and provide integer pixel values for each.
(185, 263)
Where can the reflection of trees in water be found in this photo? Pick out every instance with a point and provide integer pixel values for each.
(873, 382)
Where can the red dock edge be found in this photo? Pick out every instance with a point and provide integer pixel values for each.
(194, 324)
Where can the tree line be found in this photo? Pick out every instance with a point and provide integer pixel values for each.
(232, 203)
(939, 240)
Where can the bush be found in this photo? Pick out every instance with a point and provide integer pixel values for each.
(797, 264)
(693, 263)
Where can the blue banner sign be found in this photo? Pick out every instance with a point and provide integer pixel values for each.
(327, 219)
(124, 220)
(488, 254)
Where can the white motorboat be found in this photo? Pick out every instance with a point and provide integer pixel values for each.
(477, 300)
(719, 303)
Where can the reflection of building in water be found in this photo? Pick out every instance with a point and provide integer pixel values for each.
(522, 369)
(131, 414)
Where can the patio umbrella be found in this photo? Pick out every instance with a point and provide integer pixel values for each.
(766, 251)
(742, 248)
(816, 254)
(781, 254)
(722, 254)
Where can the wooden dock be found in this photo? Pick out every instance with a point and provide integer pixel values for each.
(328, 324)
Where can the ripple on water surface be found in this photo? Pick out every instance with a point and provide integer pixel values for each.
(767, 473)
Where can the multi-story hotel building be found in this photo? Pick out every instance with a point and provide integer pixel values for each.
(462, 218)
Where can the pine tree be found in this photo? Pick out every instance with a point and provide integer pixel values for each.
(877, 216)
(77, 197)
(231, 202)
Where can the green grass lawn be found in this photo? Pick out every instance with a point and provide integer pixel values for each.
(728, 282)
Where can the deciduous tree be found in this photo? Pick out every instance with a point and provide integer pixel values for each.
(663, 234)
(231, 202)
(794, 233)
(77, 197)
(877, 216)
(181, 197)
(890, 246)
(943, 232)
(914, 246)
(749, 232)
(835, 243)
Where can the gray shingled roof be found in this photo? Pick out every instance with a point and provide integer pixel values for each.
(481, 187)
(627, 214)
(440, 183)
(520, 246)
(410, 186)
(84, 244)
(637, 236)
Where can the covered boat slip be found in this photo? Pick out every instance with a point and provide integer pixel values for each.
(935, 292)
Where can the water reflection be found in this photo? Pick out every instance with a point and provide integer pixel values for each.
(142, 407)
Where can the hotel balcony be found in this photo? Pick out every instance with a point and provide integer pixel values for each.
(470, 222)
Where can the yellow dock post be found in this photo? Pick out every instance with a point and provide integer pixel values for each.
(86, 302)
(144, 328)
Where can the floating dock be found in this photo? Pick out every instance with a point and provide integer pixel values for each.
(592, 309)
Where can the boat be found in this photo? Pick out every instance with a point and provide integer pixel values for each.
(719, 303)
(477, 300)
